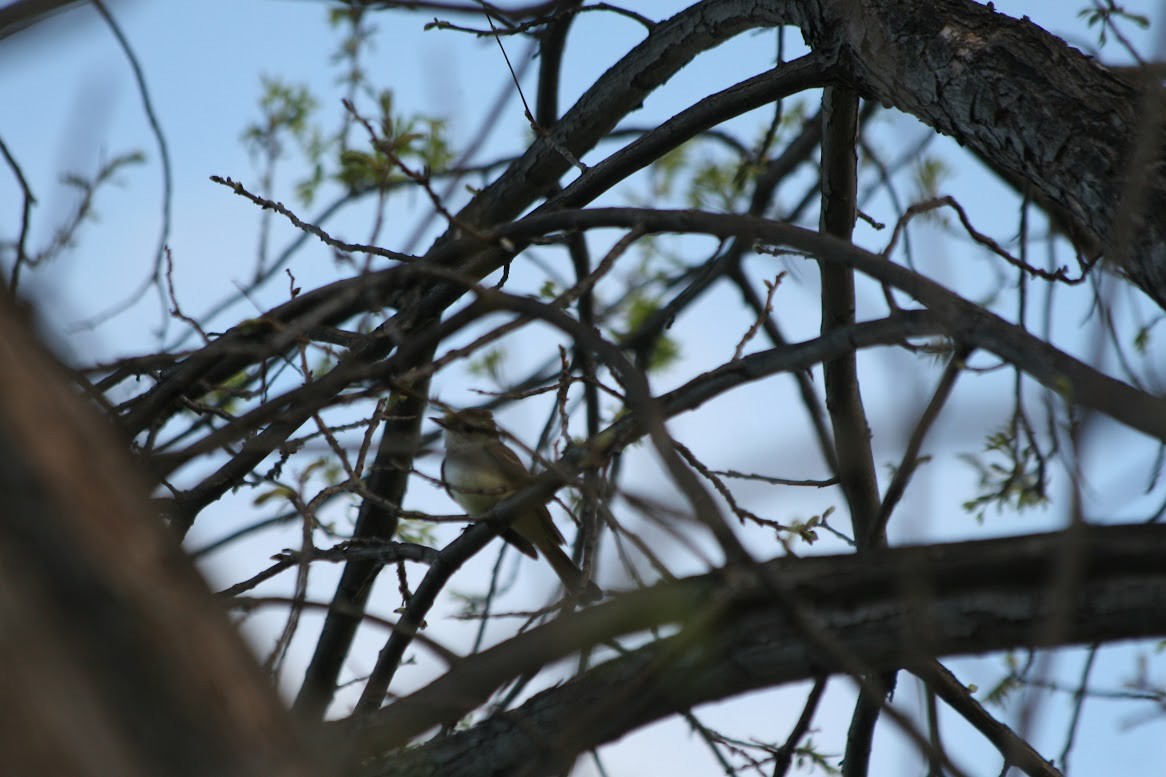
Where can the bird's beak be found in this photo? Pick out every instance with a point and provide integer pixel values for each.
(439, 421)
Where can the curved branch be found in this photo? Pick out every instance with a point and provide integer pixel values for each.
(22, 14)
(967, 322)
(971, 597)
(279, 329)
(668, 47)
(1074, 380)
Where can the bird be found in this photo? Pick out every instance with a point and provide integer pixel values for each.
(480, 471)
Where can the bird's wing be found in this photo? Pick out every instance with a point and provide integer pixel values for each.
(509, 464)
(537, 526)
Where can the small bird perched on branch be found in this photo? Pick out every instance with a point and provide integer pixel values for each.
(480, 471)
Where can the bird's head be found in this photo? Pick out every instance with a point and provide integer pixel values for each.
(471, 421)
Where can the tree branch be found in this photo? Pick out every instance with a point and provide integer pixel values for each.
(970, 597)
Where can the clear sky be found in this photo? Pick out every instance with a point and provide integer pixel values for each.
(70, 102)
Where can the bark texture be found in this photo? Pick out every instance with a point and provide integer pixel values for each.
(887, 607)
(116, 660)
(1025, 101)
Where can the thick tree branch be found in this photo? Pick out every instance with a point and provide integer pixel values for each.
(22, 14)
(961, 598)
(117, 661)
(843, 395)
(387, 480)
(1023, 99)
(856, 472)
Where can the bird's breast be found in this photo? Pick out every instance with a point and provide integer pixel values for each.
(475, 488)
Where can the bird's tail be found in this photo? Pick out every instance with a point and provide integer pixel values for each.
(576, 582)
